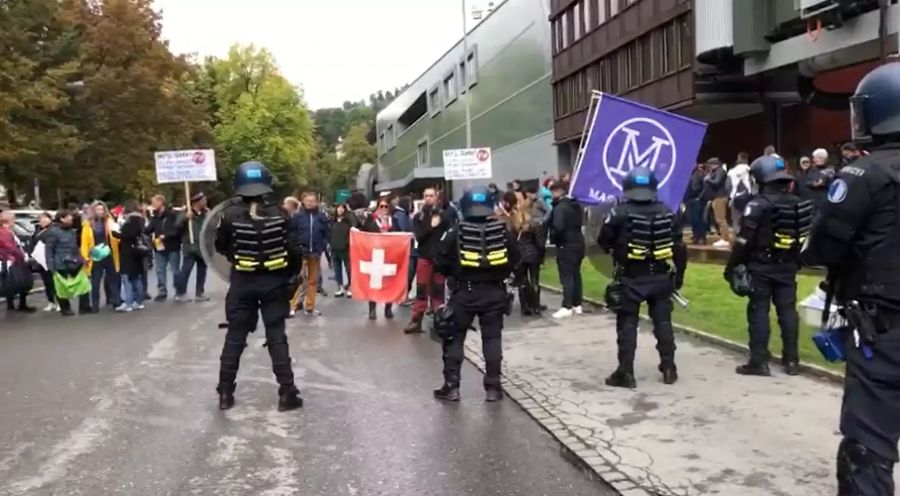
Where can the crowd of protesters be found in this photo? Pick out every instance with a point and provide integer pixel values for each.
(93, 254)
(718, 193)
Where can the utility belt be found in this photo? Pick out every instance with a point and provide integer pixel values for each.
(871, 320)
(470, 285)
(643, 269)
(772, 256)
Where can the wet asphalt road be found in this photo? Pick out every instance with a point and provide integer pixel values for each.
(124, 404)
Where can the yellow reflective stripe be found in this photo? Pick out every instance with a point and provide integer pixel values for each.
(469, 264)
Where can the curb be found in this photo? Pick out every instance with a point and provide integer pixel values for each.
(593, 463)
(809, 369)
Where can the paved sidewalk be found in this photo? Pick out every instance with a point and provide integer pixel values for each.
(713, 432)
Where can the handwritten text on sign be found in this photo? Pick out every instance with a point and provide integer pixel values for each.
(185, 165)
(467, 163)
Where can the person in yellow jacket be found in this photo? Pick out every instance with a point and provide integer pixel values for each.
(100, 250)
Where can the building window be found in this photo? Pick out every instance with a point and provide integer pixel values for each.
(470, 69)
(589, 7)
(684, 38)
(422, 153)
(463, 86)
(565, 32)
(671, 49)
(449, 87)
(434, 100)
(578, 27)
(382, 146)
(613, 8)
(390, 137)
(601, 10)
(646, 52)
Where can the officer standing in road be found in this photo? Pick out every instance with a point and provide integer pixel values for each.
(256, 236)
(476, 256)
(857, 237)
(774, 226)
(643, 235)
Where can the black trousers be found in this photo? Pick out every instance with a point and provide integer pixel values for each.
(250, 295)
(487, 301)
(526, 276)
(870, 418)
(779, 287)
(656, 290)
(568, 261)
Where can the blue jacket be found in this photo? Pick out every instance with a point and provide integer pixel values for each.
(402, 220)
(313, 231)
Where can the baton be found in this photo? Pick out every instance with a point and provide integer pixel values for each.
(681, 300)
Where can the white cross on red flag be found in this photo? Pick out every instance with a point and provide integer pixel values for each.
(380, 265)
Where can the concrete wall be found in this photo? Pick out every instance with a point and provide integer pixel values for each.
(511, 103)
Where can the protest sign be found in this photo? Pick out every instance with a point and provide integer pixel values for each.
(467, 163)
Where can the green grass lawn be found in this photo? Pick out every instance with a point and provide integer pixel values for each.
(714, 308)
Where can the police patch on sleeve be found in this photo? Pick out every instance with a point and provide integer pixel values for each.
(837, 192)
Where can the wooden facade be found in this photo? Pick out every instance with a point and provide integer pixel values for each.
(640, 49)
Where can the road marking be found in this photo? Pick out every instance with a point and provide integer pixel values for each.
(80, 441)
(164, 349)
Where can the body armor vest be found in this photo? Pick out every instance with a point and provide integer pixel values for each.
(649, 237)
(785, 227)
(482, 246)
(260, 245)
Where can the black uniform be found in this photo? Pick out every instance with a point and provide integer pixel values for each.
(644, 237)
(857, 236)
(774, 226)
(261, 248)
(477, 258)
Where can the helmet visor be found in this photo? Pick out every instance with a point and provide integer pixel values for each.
(859, 126)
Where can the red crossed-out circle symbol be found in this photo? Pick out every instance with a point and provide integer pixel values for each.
(482, 155)
(199, 157)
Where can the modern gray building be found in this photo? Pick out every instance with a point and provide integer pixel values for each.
(506, 76)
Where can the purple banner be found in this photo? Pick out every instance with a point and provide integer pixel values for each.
(625, 135)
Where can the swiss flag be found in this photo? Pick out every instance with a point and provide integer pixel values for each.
(380, 266)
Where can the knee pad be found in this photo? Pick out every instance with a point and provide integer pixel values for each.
(861, 471)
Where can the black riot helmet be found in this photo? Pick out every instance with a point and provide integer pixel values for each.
(769, 169)
(875, 107)
(476, 203)
(640, 185)
(252, 179)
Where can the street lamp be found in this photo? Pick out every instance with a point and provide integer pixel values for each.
(466, 77)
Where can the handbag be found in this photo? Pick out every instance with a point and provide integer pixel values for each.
(15, 278)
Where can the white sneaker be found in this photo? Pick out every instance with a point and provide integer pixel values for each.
(123, 308)
(139, 307)
(339, 293)
(292, 313)
(349, 294)
(563, 313)
(721, 244)
(51, 307)
(578, 310)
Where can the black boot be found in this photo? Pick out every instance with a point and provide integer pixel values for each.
(447, 393)
(226, 397)
(669, 371)
(621, 379)
(760, 369)
(791, 367)
(372, 311)
(388, 311)
(493, 394)
(289, 400)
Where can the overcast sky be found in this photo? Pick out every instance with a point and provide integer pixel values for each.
(336, 50)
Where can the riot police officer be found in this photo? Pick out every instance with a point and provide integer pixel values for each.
(476, 256)
(257, 238)
(644, 236)
(857, 237)
(774, 226)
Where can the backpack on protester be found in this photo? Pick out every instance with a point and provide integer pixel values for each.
(742, 196)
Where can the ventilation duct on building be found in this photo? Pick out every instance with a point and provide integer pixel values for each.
(714, 32)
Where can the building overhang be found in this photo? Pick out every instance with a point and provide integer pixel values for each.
(418, 175)
(855, 41)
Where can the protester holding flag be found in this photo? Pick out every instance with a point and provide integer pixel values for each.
(381, 221)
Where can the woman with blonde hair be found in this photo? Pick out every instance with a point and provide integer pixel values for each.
(525, 228)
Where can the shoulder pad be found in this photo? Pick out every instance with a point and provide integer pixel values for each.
(755, 208)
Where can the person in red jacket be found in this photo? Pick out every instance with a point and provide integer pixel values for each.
(11, 252)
